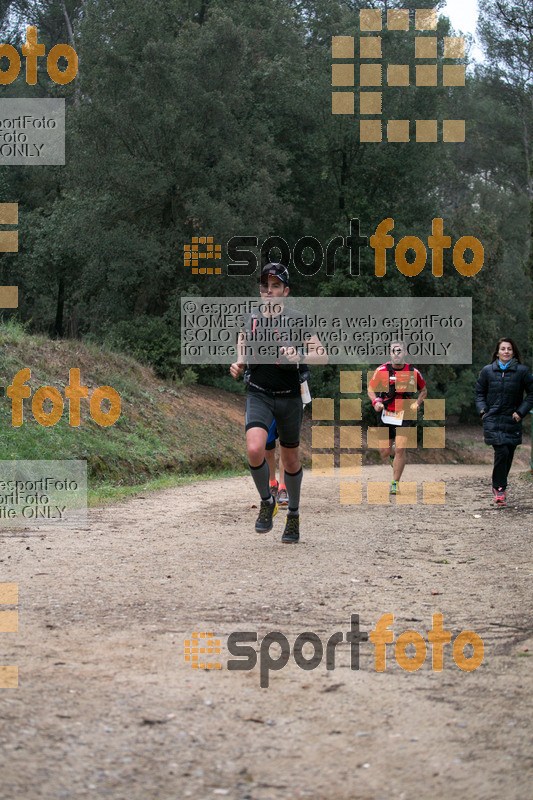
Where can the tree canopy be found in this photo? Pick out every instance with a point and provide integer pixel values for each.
(213, 118)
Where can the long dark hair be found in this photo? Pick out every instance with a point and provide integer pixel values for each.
(516, 351)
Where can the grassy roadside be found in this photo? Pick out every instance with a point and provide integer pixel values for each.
(167, 433)
(103, 493)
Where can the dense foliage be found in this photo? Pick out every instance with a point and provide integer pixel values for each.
(213, 117)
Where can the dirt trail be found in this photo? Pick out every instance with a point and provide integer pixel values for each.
(107, 706)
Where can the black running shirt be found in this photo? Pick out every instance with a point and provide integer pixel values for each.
(264, 337)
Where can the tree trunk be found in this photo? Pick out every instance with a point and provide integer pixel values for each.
(203, 11)
(71, 40)
(58, 325)
(343, 179)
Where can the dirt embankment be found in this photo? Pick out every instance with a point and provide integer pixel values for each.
(164, 427)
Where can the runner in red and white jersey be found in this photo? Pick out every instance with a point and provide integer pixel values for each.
(391, 390)
(403, 379)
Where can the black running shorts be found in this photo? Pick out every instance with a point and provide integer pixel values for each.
(393, 429)
(262, 409)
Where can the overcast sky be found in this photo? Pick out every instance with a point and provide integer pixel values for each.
(463, 16)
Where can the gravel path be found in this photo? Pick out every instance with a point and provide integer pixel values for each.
(107, 706)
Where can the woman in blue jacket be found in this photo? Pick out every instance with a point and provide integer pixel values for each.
(500, 401)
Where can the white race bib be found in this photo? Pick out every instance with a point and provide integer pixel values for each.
(392, 417)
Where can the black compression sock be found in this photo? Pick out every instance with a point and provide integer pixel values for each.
(293, 482)
(261, 476)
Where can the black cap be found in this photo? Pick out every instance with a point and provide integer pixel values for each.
(277, 271)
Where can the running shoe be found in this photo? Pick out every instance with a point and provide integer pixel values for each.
(499, 497)
(394, 488)
(283, 497)
(291, 534)
(264, 520)
(274, 488)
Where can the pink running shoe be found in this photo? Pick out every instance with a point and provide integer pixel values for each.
(283, 497)
(499, 497)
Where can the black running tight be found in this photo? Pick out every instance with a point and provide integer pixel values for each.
(503, 458)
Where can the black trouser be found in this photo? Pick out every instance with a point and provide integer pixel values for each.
(503, 458)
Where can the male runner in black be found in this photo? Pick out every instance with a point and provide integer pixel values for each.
(274, 392)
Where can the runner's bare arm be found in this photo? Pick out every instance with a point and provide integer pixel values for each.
(316, 352)
(238, 366)
(423, 393)
(378, 406)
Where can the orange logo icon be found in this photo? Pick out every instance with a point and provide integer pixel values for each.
(200, 646)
